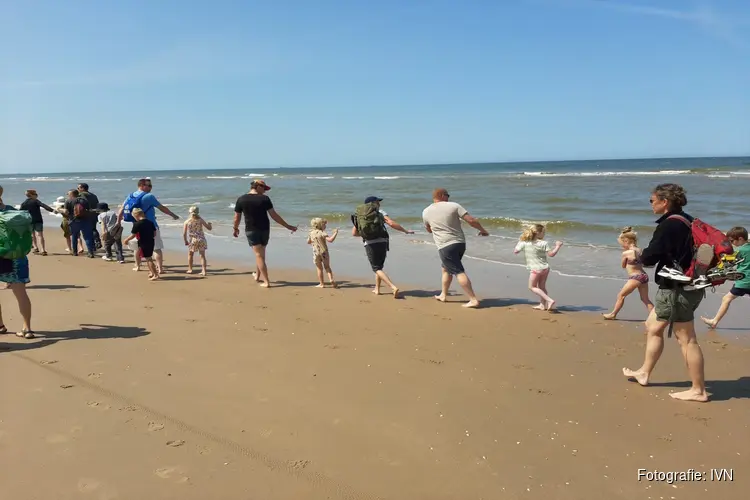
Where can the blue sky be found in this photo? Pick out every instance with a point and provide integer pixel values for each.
(108, 85)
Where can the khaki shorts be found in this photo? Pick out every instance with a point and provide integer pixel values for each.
(678, 305)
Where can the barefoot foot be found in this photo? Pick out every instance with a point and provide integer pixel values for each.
(376, 291)
(154, 278)
(204, 273)
(540, 307)
(440, 298)
(334, 284)
(189, 271)
(472, 304)
(710, 322)
(265, 285)
(609, 316)
(396, 293)
(320, 286)
(639, 376)
(690, 395)
(550, 305)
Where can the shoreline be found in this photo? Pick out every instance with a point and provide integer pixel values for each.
(197, 388)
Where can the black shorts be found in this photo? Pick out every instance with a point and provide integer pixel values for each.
(739, 292)
(258, 237)
(451, 256)
(147, 249)
(376, 254)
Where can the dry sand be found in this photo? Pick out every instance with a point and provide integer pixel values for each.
(213, 388)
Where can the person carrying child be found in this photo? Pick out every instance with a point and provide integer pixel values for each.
(738, 238)
(637, 277)
(536, 250)
(319, 240)
(145, 231)
(195, 239)
(111, 233)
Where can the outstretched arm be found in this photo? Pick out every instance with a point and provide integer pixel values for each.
(558, 246)
(332, 238)
(167, 211)
(395, 225)
(207, 225)
(279, 220)
(474, 222)
(47, 208)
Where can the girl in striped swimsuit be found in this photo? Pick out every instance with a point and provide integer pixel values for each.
(637, 277)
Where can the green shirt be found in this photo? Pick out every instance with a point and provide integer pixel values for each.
(744, 267)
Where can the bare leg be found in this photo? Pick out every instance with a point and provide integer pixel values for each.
(153, 270)
(24, 304)
(137, 259)
(387, 280)
(628, 288)
(643, 291)
(446, 281)
(34, 246)
(691, 351)
(376, 290)
(465, 282)
(329, 271)
(723, 308)
(543, 286)
(204, 263)
(319, 270)
(190, 262)
(159, 261)
(68, 245)
(654, 348)
(534, 279)
(260, 262)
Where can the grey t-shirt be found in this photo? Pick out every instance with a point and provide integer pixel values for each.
(444, 218)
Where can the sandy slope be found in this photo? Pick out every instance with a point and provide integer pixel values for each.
(212, 388)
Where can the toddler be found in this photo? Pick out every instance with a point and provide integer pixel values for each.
(536, 251)
(111, 233)
(637, 277)
(319, 240)
(195, 239)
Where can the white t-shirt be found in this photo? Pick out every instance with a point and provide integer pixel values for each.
(536, 254)
(444, 218)
(109, 219)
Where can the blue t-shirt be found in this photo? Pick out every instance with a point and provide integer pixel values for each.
(148, 205)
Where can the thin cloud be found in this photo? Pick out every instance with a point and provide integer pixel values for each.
(703, 15)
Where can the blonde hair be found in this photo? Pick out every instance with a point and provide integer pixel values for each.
(137, 211)
(194, 211)
(627, 234)
(317, 223)
(532, 232)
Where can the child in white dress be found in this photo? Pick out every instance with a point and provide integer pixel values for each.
(536, 250)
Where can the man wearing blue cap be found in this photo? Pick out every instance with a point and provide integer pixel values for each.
(369, 224)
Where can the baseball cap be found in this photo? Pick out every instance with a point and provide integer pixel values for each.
(371, 199)
(261, 183)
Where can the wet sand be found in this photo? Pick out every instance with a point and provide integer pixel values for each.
(213, 388)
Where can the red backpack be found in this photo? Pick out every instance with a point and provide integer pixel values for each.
(79, 209)
(708, 246)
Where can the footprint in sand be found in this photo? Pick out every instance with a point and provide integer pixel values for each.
(66, 386)
(299, 464)
(93, 404)
(49, 362)
(155, 426)
(176, 443)
(94, 375)
(87, 485)
(171, 472)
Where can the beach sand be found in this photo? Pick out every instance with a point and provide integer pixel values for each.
(213, 388)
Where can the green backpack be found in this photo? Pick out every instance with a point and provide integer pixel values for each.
(370, 222)
(15, 234)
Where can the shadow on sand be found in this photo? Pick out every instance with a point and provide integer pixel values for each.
(719, 390)
(87, 331)
(54, 287)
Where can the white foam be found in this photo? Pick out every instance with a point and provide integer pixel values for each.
(322, 178)
(606, 174)
(386, 177)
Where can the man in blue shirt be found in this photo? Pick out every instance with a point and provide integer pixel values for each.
(149, 204)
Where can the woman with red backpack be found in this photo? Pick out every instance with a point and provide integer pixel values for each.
(675, 304)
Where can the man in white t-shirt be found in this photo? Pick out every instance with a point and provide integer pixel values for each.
(443, 220)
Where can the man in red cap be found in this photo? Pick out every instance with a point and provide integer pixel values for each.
(257, 207)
